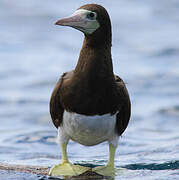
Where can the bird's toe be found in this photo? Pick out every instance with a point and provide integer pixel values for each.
(67, 169)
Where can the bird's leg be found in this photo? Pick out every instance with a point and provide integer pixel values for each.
(64, 153)
(65, 168)
(107, 170)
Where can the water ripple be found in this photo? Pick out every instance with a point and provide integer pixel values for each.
(47, 137)
(154, 166)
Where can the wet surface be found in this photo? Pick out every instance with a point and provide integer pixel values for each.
(11, 175)
(34, 53)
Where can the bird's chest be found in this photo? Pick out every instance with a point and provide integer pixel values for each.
(89, 130)
(88, 101)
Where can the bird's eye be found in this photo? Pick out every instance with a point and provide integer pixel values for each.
(91, 15)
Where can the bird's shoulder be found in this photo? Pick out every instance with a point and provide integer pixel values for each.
(121, 87)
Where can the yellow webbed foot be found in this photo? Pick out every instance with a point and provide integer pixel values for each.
(67, 169)
(105, 170)
(109, 169)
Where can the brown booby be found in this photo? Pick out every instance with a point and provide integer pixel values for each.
(90, 104)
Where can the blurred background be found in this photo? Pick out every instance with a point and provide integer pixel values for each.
(34, 53)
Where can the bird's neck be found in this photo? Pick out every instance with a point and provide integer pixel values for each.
(95, 62)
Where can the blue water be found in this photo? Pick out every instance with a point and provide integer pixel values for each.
(34, 53)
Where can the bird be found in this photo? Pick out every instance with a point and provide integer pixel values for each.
(90, 104)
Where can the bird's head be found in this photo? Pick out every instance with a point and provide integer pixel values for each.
(90, 19)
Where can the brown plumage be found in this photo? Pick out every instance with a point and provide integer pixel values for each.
(92, 88)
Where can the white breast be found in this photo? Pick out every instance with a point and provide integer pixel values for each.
(89, 130)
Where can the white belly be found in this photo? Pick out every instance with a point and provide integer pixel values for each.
(88, 130)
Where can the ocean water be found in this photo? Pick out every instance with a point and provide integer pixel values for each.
(34, 53)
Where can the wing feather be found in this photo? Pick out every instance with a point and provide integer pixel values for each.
(123, 116)
(56, 108)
